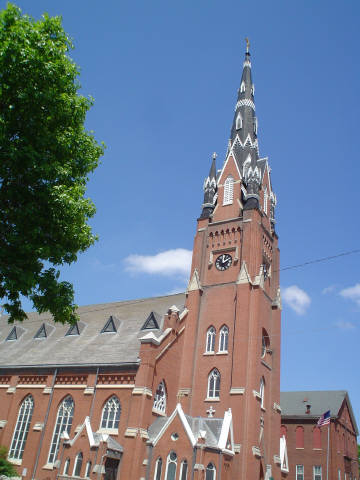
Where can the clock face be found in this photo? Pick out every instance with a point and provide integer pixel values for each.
(223, 262)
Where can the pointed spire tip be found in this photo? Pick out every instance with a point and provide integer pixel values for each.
(247, 45)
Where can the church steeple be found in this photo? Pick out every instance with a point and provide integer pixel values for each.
(210, 188)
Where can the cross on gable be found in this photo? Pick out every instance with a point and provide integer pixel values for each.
(210, 411)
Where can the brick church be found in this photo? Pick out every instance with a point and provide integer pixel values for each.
(178, 387)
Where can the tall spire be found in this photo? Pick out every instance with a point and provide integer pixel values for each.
(210, 189)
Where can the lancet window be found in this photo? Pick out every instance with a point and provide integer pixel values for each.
(171, 465)
(78, 465)
(21, 428)
(228, 190)
(184, 470)
(158, 469)
(111, 413)
(63, 424)
(210, 340)
(238, 121)
(160, 398)
(210, 472)
(224, 339)
(214, 384)
(262, 392)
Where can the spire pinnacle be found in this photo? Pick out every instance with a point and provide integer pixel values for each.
(210, 189)
(247, 44)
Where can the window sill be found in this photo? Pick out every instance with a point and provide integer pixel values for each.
(209, 353)
(15, 461)
(225, 352)
(299, 448)
(109, 431)
(263, 409)
(158, 412)
(214, 399)
(48, 466)
(318, 449)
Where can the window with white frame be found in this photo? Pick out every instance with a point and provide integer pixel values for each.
(111, 413)
(160, 398)
(317, 475)
(158, 469)
(238, 123)
(183, 470)
(266, 198)
(339, 474)
(171, 465)
(210, 340)
(63, 424)
(78, 465)
(262, 391)
(66, 467)
(214, 384)
(242, 87)
(228, 190)
(88, 469)
(210, 472)
(21, 428)
(299, 472)
(223, 339)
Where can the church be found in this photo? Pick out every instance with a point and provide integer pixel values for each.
(179, 387)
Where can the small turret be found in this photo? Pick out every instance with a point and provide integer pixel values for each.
(210, 189)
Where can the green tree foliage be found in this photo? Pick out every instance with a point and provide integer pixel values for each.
(6, 467)
(45, 158)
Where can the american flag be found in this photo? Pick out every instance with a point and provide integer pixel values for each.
(324, 419)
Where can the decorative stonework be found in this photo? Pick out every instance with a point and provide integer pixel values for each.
(142, 391)
(32, 379)
(5, 379)
(116, 379)
(237, 391)
(246, 102)
(256, 451)
(71, 380)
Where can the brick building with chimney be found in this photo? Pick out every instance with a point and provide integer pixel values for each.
(184, 386)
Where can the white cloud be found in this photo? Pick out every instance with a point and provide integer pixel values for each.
(169, 262)
(343, 325)
(352, 293)
(100, 266)
(296, 298)
(328, 289)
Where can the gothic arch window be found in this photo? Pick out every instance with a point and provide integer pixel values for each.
(171, 465)
(78, 465)
(214, 384)
(63, 424)
(210, 472)
(223, 339)
(210, 340)
(160, 398)
(299, 437)
(110, 416)
(255, 125)
(183, 470)
(21, 428)
(88, 469)
(228, 190)
(242, 87)
(262, 392)
(266, 199)
(238, 123)
(158, 469)
(252, 89)
(265, 342)
(66, 467)
(317, 438)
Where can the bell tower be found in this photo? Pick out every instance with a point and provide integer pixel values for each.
(231, 357)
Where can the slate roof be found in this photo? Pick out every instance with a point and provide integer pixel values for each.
(90, 347)
(293, 404)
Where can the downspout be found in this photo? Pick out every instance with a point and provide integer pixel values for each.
(148, 468)
(45, 423)
(193, 463)
(93, 399)
(235, 310)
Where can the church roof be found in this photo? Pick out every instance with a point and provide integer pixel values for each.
(294, 404)
(89, 344)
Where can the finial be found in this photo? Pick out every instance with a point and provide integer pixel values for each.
(247, 45)
(214, 155)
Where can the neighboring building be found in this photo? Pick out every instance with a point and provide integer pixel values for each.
(180, 387)
(313, 450)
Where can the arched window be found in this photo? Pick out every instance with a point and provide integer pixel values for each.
(224, 339)
(228, 190)
(158, 469)
(214, 384)
(242, 87)
(210, 340)
(266, 197)
(184, 470)
(210, 472)
(88, 469)
(66, 467)
(299, 437)
(262, 391)
(21, 428)
(111, 413)
(238, 121)
(63, 424)
(160, 398)
(78, 464)
(317, 438)
(265, 342)
(171, 465)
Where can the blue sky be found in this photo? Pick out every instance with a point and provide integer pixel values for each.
(164, 77)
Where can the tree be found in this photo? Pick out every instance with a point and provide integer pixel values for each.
(45, 158)
(6, 467)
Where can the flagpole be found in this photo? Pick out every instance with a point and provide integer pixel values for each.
(327, 456)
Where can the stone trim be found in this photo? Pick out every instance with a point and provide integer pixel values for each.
(11, 390)
(38, 427)
(3, 423)
(89, 391)
(131, 432)
(237, 391)
(256, 451)
(142, 391)
(47, 390)
(277, 407)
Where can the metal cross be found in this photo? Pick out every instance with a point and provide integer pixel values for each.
(210, 412)
(214, 155)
